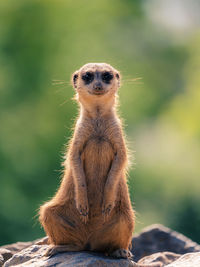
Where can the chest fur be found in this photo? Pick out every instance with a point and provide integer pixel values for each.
(98, 151)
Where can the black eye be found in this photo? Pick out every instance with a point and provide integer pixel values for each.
(88, 77)
(107, 77)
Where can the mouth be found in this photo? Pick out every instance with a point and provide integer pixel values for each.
(97, 92)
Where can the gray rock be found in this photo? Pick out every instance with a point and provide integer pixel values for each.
(1, 260)
(5, 254)
(158, 238)
(7, 251)
(163, 258)
(170, 259)
(34, 256)
(154, 246)
(187, 260)
(15, 247)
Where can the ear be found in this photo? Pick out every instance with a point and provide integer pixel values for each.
(118, 78)
(74, 79)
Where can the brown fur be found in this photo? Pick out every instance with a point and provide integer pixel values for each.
(92, 209)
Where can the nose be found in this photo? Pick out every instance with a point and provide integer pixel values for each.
(98, 86)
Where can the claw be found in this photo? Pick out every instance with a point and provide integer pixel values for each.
(84, 218)
(107, 210)
(122, 253)
(84, 213)
(51, 251)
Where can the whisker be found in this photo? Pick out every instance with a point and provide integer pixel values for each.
(64, 102)
(58, 80)
(134, 83)
(58, 90)
(133, 79)
(59, 83)
(61, 87)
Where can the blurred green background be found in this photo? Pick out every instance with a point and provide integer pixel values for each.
(156, 46)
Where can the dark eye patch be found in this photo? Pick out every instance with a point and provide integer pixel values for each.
(106, 77)
(88, 77)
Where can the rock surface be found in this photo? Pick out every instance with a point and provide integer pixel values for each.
(163, 258)
(18, 246)
(34, 256)
(158, 238)
(187, 260)
(5, 254)
(157, 245)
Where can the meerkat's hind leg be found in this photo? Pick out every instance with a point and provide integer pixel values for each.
(55, 249)
(121, 253)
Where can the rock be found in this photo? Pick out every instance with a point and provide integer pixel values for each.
(15, 247)
(1, 260)
(34, 256)
(154, 246)
(187, 260)
(170, 259)
(163, 258)
(7, 251)
(5, 254)
(158, 238)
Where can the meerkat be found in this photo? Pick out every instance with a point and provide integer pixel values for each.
(92, 209)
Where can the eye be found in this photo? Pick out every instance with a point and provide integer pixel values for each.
(88, 77)
(107, 77)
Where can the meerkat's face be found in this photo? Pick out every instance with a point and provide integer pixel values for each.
(96, 79)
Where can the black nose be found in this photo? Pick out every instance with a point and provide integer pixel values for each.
(98, 86)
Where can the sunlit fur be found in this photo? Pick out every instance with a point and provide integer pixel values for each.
(91, 209)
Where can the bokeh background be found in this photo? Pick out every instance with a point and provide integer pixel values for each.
(156, 46)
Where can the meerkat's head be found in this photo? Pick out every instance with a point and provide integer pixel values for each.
(96, 80)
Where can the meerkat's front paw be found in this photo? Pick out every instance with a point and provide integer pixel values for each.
(83, 209)
(107, 207)
(108, 202)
